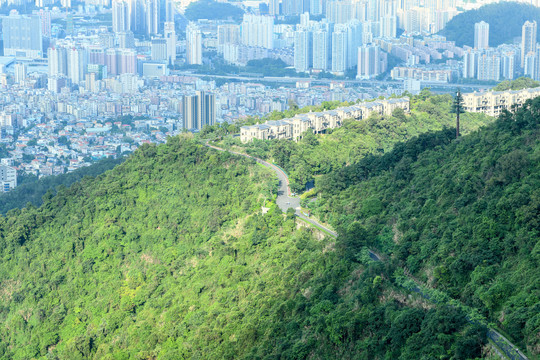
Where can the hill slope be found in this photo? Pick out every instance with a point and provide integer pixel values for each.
(505, 20)
(168, 256)
(463, 216)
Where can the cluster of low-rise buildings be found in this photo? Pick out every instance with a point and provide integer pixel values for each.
(494, 102)
(293, 128)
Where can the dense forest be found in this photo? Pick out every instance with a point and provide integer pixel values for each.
(32, 189)
(505, 20)
(169, 256)
(462, 216)
(315, 155)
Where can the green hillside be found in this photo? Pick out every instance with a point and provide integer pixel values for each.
(462, 216)
(505, 20)
(168, 256)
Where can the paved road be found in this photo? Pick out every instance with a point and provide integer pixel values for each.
(284, 198)
(506, 346)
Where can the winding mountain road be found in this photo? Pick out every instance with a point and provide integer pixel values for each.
(286, 200)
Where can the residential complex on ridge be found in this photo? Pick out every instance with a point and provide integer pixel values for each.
(319, 122)
(494, 102)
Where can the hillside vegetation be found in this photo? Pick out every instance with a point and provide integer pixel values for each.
(505, 20)
(463, 216)
(168, 256)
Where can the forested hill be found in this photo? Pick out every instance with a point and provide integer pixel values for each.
(168, 256)
(505, 20)
(462, 215)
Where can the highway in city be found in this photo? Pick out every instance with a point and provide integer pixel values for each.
(357, 82)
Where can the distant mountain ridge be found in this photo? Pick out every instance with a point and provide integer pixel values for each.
(505, 20)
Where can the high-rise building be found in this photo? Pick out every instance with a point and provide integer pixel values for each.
(273, 7)
(19, 72)
(77, 64)
(228, 34)
(470, 63)
(169, 11)
(111, 61)
(530, 65)
(528, 39)
(106, 40)
(152, 17)
(99, 71)
(509, 64)
(159, 49)
(481, 35)
(258, 31)
(388, 26)
(303, 46)
(120, 16)
(294, 7)
(126, 40)
(339, 50)
(193, 44)
(57, 61)
(96, 54)
(127, 61)
(169, 33)
(371, 61)
(321, 49)
(354, 40)
(316, 7)
(340, 12)
(198, 110)
(45, 16)
(8, 178)
(304, 19)
(22, 36)
(536, 72)
(489, 66)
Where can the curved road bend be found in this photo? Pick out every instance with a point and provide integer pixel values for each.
(285, 201)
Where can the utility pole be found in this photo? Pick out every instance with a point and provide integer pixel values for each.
(458, 108)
